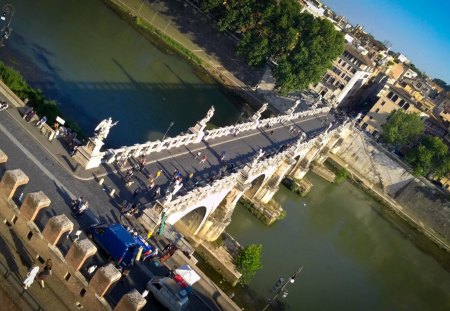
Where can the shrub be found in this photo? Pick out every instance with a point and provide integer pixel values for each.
(249, 261)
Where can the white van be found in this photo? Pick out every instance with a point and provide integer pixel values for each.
(169, 293)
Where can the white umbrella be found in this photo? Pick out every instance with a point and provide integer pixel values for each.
(188, 275)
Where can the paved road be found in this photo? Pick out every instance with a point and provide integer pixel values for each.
(47, 175)
(47, 172)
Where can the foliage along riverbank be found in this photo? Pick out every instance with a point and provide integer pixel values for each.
(35, 97)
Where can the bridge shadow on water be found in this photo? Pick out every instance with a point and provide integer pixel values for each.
(143, 109)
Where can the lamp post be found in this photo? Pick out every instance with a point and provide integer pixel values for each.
(7, 14)
(280, 287)
(140, 7)
(168, 129)
(240, 116)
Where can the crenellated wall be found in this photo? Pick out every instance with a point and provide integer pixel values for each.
(43, 245)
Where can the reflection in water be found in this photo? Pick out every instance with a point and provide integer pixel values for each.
(97, 66)
(354, 259)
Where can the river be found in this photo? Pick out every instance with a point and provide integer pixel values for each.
(356, 256)
(80, 53)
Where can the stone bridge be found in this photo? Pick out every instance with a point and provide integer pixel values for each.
(260, 152)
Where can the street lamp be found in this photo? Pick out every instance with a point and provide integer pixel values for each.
(280, 287)
(7, 14)
(168, 129)
(240, 116)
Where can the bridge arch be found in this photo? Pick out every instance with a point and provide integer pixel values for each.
(255, 185)
(190, 221)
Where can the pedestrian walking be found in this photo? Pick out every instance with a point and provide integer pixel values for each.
(31, 275)
(158, 173)
(203, 160)
(29, 115)
(45, 273)
(125, 274)
(271, 132)
(223, 156)
(156, 192)
(41, 122)
(129, 177)
(142, 161)
(136, 192)
(198, 154)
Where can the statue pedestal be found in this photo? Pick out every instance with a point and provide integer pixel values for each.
(198, 130)
(89, 155)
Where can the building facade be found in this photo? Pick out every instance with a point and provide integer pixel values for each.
(389, 99)
(349, 72)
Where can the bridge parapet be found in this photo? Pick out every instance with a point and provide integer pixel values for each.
(190, 138)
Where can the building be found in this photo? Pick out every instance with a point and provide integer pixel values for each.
(389, 99)
(411, 74)
(313, 7)
(349, 72)
(402, 58)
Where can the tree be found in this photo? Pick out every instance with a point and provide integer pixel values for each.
(302, 46)
(442, 84)
(317, 46)
(402, 128)
(429, 158)
(249, 261)
(341, 176)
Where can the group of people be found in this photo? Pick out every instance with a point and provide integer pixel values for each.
(35, 273)
(79, 206)
(3, 105)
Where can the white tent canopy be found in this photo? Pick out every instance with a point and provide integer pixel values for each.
(188, 275)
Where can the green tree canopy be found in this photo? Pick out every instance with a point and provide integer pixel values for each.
(430, 157)
(402, 128)
(302, 46)
(249, 261)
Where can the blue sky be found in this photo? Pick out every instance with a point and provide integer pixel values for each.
(418, 29)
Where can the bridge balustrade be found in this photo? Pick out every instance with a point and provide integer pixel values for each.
(185, 139)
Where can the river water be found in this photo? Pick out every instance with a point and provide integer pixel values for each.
(356, 256)
(80, 53)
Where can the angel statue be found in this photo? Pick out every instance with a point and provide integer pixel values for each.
(102, 129)
(207, 118)
(258, 113)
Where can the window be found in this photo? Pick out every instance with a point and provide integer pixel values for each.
(376, 110)
(390, 94)
(370, 118)
(394, 98)
(401, 103)
(382, 103)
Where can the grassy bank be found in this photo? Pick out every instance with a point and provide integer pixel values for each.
(154, 34)
(203, 70)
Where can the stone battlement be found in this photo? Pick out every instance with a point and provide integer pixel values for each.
(44, 245)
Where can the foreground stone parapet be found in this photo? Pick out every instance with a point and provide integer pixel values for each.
(56, 227)
(133, 301)
(3, 157)
(33, 203)
(104, 278)
(79, 252)
(12, 179)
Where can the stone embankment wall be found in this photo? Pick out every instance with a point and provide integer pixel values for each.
(44, 245)
(416, 200)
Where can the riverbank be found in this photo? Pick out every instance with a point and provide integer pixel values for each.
(162, 32)
(392, 204)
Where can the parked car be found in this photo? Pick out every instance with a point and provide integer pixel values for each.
(169, 293)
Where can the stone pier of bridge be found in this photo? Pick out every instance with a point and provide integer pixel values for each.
(204, 213)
